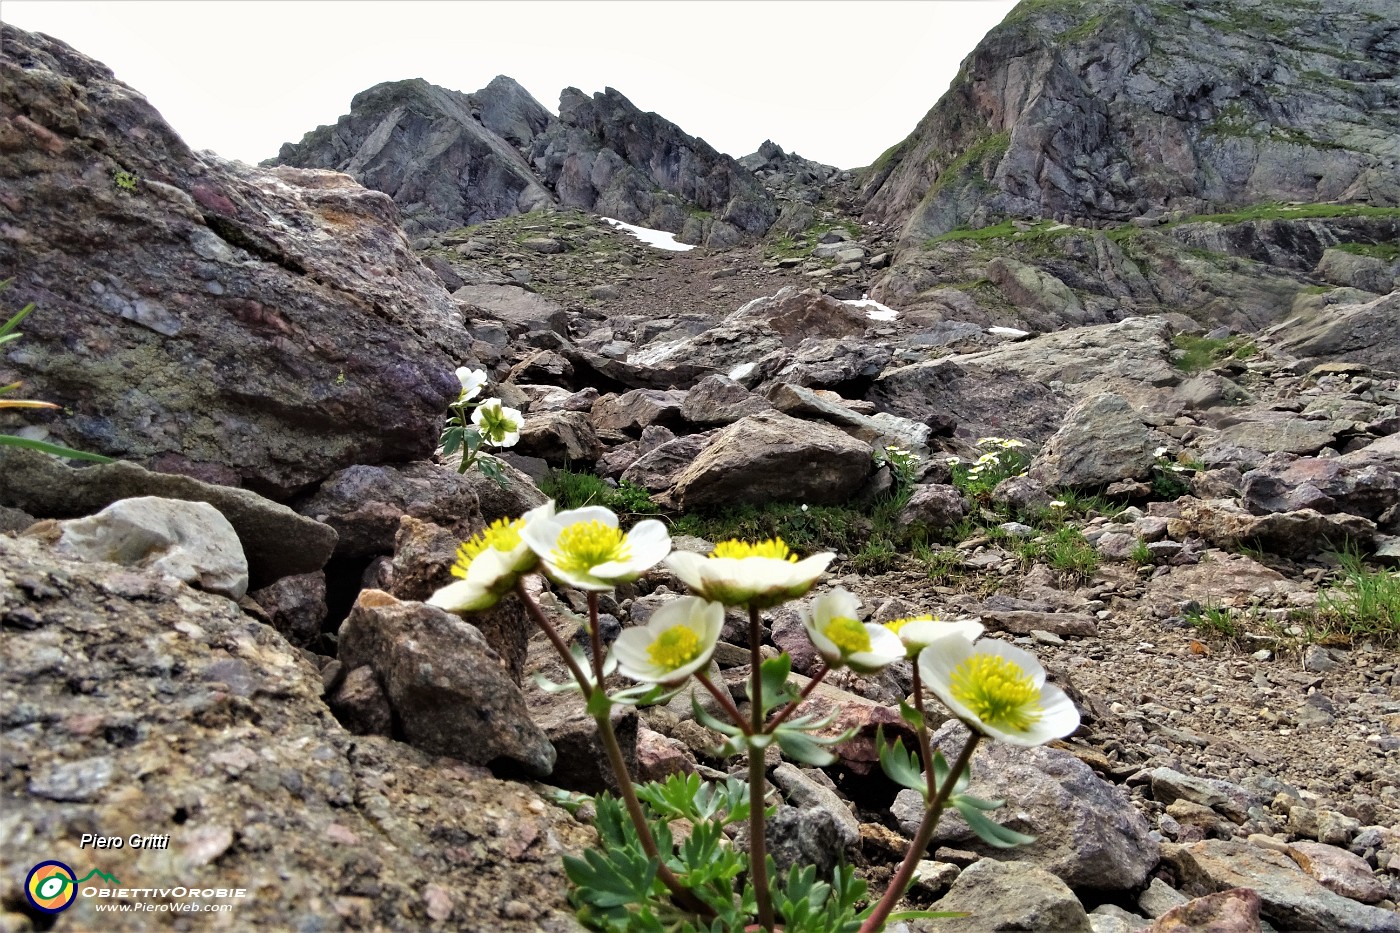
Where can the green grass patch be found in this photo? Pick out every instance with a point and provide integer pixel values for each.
(1039, 231)
(1214, 620)
(573, 490)
(1365, 603)
(1201, 353)
(1386, 252)
(1274, 210)
(1064, 549)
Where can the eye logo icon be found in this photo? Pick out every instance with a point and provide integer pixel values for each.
(52, 886)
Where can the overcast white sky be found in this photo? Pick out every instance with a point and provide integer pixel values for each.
(838, 81)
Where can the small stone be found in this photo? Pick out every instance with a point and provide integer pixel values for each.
(437, 903)
(1159, 898)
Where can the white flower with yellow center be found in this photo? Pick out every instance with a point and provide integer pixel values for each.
(472, 380)
(843, 640)
(918, 632)
(499, 426)
(740, 573)
(489, 563)
(997, 689)
(585, 547)
(676, 641)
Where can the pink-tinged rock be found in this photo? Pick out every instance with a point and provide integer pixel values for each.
(1232, 911)
(659, 757)
(270, 325)
(1339, 871)
(437, 902)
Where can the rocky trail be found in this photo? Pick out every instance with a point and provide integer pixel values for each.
(1137, 413)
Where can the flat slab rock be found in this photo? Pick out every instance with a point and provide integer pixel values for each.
(1088, 834)
(1290, 898)
(242, 764)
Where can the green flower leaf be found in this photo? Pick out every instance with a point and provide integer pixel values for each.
(773, 678)
(802, 748)
(9, 440)
(987, 829)
(911, 715)
(899, 765)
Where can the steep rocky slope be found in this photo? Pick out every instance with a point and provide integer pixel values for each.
(450, 159)
(1091, 161)
(1081, 110)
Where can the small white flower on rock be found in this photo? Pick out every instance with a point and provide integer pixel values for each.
(499, 426)
(676, 641)
(473, 381)
(586, 548)
(998, 690)
(843, 640)
(740, 573)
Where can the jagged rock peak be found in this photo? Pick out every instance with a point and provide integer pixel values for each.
(450, 159)
(446, 158)
(614, 158)
(1106, 110)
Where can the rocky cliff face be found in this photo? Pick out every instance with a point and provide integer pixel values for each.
(247, 326)
(450, 159)
(447, 159)
(1091, 110)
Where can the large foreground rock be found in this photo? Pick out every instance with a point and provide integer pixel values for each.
(251, 327)
(770, 456)
(193, 720)
(451, 693)
(1009, 896)
(1087, 833)
(277, 541)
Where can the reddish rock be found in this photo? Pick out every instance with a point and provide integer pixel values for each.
(1232, 911)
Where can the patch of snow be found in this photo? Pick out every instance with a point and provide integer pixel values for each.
(1008, 332)
(658, 238)
(877, 312)
(742, 370)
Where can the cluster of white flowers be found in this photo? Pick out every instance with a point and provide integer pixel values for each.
(994, 687)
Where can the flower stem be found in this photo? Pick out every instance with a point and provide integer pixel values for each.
(806, 692)
(596, 636)
(876, 920)
(683, 896)
(925, 752)
(758, 848)
(725, 701)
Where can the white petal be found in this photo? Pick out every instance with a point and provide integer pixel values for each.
(589, 513)
(542, 533)
(690, 567)
(936, 665)
(462, 596)
(924, 633)
(649, 542)
(630, 650)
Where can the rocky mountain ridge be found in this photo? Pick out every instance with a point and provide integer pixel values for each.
(450, 159)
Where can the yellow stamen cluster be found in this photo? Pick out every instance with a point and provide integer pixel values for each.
(502, 534)
(898, 624)
(997, 692)
(584, 545)
(774, 548)
(675, 647)
(847, 634)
